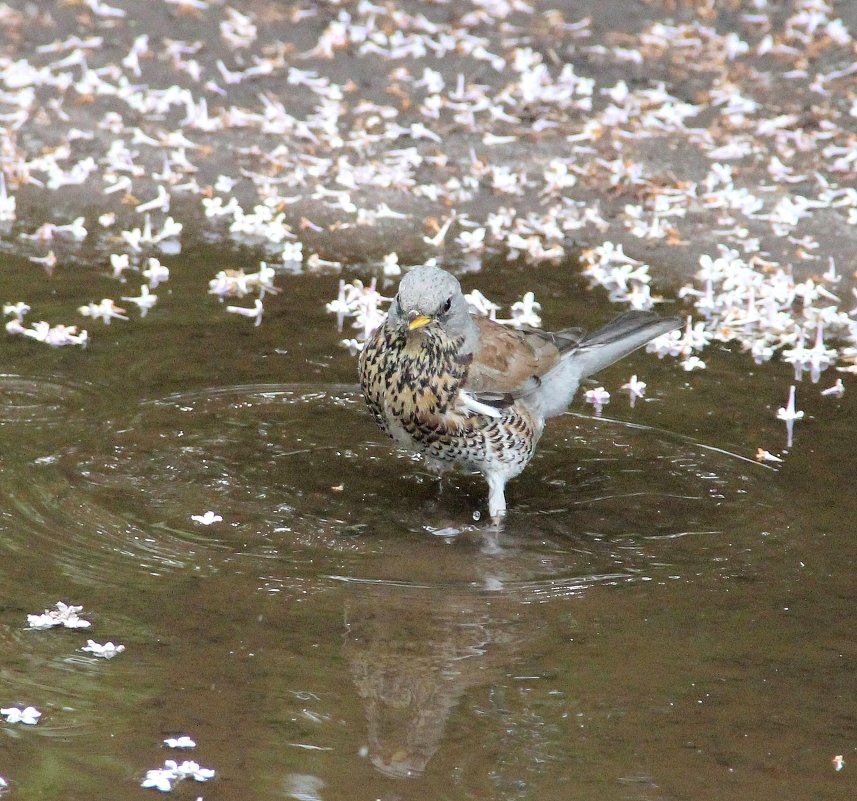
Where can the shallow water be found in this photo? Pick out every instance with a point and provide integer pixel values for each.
(661, 618)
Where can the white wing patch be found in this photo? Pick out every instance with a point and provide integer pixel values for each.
(472, 405)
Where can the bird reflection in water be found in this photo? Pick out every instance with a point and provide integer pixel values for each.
(413, 654)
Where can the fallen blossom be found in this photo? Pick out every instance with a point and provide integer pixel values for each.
(64, 615)
(28, 716)
(315, 262)
(18, 309)
(106, 311)
(598, 397)
(144, 301)
(108, 650)
(692, 363)
(477, 302)
(119, 262)
(164, 778)
(789, 415)
(48, 262)
(525, 312)
(635, 388)
(292, 252)
(179, 742)
(7, 202)
(255, 311)
(391, 265)
(838, 389)
(353, 346)
(155, 272)
(55, 336)
(207, 519)
(229, 284)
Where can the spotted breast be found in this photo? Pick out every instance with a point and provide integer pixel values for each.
(414, 387)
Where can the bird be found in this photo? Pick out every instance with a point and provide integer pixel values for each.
(464, 391)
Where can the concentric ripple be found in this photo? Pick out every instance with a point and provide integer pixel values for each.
(300, 476)
(41, 401)
(120, 493)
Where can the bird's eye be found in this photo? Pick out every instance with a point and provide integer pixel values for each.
(446, 306)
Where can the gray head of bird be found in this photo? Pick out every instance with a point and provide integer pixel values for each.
(429, 296)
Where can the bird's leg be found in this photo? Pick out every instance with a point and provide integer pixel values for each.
(496, 497)
(437, 474)
(434, 478)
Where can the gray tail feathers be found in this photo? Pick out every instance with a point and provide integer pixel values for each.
(580, 359)
(617, 339)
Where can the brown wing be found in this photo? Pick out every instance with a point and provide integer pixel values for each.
(509, 363)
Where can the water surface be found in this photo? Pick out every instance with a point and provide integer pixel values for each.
(661, 618)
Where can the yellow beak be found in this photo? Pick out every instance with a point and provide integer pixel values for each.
(418, 322)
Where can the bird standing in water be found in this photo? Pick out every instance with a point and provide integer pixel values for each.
(464, 391)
